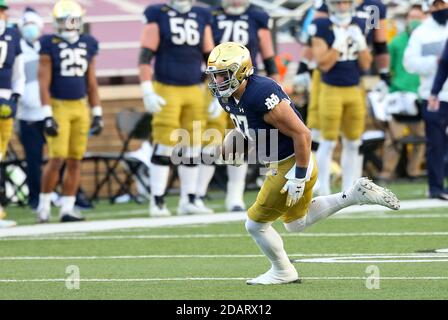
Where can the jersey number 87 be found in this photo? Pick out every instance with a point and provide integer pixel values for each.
(74, 62)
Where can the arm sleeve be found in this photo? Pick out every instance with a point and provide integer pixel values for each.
(151, 14)
(383, 10)
(94, 47)
(414, 61)
(208, 17)
(262, 19)
(442, 73)
(18, 75)
(45, 45)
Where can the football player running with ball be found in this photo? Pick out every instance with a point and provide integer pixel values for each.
(241, 22)
(340, 48)
(66, 78)
(179, 36)
(257, 104)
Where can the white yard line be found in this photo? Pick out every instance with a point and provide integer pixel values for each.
(318, 257)
(226, 235)
(106, 225)
(213, 279)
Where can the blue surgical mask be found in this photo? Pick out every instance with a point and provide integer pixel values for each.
(30, 32)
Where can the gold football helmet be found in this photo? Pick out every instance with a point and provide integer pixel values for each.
(67, 17)
(229, 65)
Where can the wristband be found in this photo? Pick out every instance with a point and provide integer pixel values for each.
(48, 112)
(97, 111)
(147, 87)
(301, 172)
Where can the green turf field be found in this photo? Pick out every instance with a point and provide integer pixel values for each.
(212, 261)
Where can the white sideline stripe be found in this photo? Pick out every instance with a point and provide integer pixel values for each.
(212, 279)
(322, 256)
(231, 235)
(106, 225)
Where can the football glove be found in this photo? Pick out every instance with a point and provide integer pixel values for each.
(50, 125)
(294, 186)
(214, 109)
(97, 121)
(152, 101)
(357, 36)
(340, 39)
(7, 109)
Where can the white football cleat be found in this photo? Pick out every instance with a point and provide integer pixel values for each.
(364, 191)
(276, 277)
(158, 211)
(7, 224)
(188, 208)
(200, 204)
(43, 215)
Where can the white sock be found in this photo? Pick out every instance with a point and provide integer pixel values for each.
(321, 208)
(158, 179)
(206, 173)
(67, 204)
(45, 201)
(323, 157)
(270, 243)
(235, 185)
(350, 159)
(188, 176)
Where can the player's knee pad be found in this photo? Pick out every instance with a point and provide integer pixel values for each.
(296, 226)
(162, 155)
(255, 228)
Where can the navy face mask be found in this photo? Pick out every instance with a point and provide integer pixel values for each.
(441, 16)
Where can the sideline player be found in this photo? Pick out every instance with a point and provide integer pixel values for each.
(12, 85)
(241, 22)
(258, 104)
(342, 54)
(66, 77)
(374, 14)
(179, 36)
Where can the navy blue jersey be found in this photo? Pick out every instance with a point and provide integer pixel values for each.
(179, 56)
(262, 94)
(9, 50)
(70, 62)
(242, 29)
(346, 72)
(363, 11)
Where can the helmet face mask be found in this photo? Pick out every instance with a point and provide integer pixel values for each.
(235, 7)
(223, 83)
(182, 6)
(229, 65)
(67, 19)
(338, 14)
